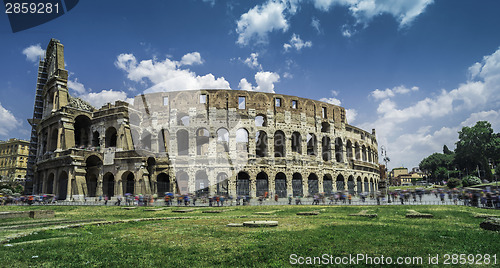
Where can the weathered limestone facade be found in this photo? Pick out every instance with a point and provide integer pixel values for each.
(229, 142)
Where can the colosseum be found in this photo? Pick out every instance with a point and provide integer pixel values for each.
(224, 142)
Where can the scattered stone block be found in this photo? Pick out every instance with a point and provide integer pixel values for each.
(266, 212)
(364, 213)
(153, 209)
(308, 213)
(42, 214)
(492, 224)
(235, 225)
(13, 214)
(212, 211)
(260, 223)
(484, 216)
(184, 210)
(415, 214)
(129, 208)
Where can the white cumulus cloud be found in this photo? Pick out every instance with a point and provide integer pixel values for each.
(8, 122)
(265, 82)
(98, 99)
(388, 93)
(260, 20)
(34, 52)
(167, 75)
(253, 61)
(297, 43)
(333, 101)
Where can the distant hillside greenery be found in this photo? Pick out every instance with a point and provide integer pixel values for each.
(476, 154)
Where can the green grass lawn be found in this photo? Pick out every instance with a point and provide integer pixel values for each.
(203, 240)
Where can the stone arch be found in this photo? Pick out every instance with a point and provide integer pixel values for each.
(182, 142)
(128, 182)
(50, 183)
(363, 153)
(183, 119)
(370, 154)
(95, 139)
(359, 185)
(367, 185)
(63, 185)
(146, 140)
(351, 185)
(110, 137)
(93, 169)
(261, 120)
(108, 184)
(349, 149)
(222, 140)
(311, 144)
(326, 148)
(242, 184)
(340, 183)
(325, 127)
(182, 181)
(202, 140)
(338, 150)
(261, 101)
(312, 182)
(280, 184)
(222, 187)
(297, 184)
(261, 143)
(279, 144)
(53, 139)
(242, 140)
(262, 184)
(296, 142)
(327, 184)
(162, 184)
(201, 183)
(357, 153)
(82, 131)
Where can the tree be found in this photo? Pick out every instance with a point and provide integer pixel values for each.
(454, 183)
(446, 150)
(470, 180)
(435, 161)
(475, 146)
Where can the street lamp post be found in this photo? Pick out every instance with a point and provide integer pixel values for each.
(383, 153)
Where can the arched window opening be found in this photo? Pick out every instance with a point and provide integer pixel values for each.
(183, 119)
(297, 184)
(357, 151)
(338, 150)
(111, 137)
(325, 127)
(182, 142)
(222, 140)
(242, 184)
(182, 180)
(262, 184)
(311, 144)
(222, 184)
(95, 139)
(260, 121)
(279, 144)
(340, 183)
(349, 149)
(63, 186)
(108, 185)
(326, 149)
(146, 141)
(296, 143)
(327, 184)
(128, 179)
(201, 184)
(202, 138)
(82, 131)
(364, 153)
(261, 144)
(280, 185)
(312, 182)
(53, 140)
(242, 140)
(350, 185)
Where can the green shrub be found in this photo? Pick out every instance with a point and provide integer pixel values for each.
(454, 183)
(470, 180)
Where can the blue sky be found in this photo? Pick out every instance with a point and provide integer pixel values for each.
(416, 71)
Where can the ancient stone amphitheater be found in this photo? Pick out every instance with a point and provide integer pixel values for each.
(225, 142)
